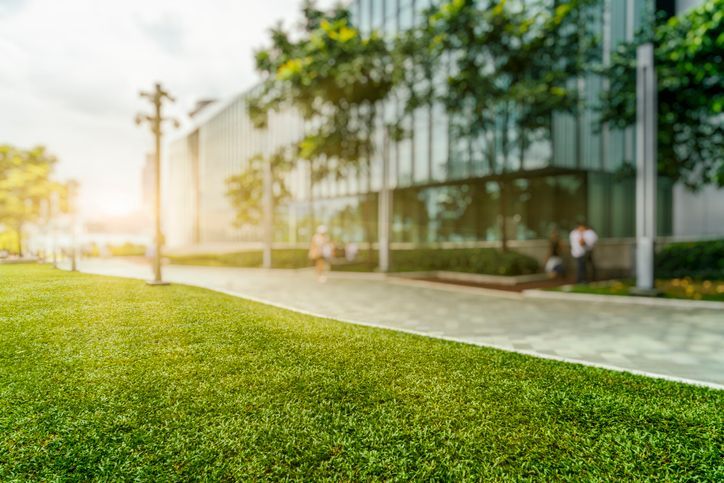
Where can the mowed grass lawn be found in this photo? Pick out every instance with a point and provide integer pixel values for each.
(107, 378)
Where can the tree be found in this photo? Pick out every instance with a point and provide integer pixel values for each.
(688, 61)
(335, 78)
(26, 185)
(246, 189)
(511, 66)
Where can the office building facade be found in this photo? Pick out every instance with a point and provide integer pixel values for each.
(443, 191)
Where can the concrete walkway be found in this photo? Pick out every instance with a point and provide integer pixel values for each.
(669, 342)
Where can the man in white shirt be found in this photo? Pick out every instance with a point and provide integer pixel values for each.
(583, 239)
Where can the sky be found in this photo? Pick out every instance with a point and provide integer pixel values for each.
(71, 71)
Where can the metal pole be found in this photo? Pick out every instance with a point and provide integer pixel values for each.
(72, 194)
(156, 97)
(384, 209)
(646, 157)
(268, 214)
(54, 227)
(157, 279)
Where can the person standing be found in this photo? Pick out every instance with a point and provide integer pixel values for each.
(579, 251)
(554, 262)
(319, 251)
(590, 237)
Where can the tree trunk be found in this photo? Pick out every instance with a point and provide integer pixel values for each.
(312, 221)
(502, 185)
(503, 214)
(20, 239)
(268, 214)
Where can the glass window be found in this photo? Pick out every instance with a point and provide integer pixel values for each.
(364, 17)
(407, 16)
(439, 153)
(404, 155)
(422, 145)
(459, 155)
(378, 14)
(391, 16)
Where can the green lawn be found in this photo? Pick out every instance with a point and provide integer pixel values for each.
(110, 379)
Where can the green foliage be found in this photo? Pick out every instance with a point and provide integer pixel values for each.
(27, 187)
(281, 258)
(335, 78)
(488, 261)
(688, 61)
(245, 190)
(698, 260)
(683, 288)
(8, 240)
(108, 379)
(510, 69)
(470, 260)
(127, 249)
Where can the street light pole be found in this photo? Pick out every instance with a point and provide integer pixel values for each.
(156, 97)
(384, 208)
(646, 169)
(73, 208)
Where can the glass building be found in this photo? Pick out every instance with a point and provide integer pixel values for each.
(443, 191)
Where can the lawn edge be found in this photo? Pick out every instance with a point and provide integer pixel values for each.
(539, 355)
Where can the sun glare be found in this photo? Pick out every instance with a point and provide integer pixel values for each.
(113, 206)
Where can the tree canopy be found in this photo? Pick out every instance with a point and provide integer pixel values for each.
(334, 77)
(510, 65)
(245, 190)
(688, 57)
(26, 186)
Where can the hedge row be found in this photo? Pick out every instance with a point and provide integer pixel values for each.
(698, 260)
(469, 260)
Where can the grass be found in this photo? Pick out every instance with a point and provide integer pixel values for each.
(678, 288)
(110, 379)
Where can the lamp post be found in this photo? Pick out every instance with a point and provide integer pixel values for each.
(384, 208)
(155, 120)
(73, 209)
(646, 169)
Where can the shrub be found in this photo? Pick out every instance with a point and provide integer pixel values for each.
(488, 261)
(471, 260)
(286, 258)
(127, 249)
(698, 260)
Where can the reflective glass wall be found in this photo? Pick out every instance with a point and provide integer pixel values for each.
(444, 189)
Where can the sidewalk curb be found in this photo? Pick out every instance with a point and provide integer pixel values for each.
(623, 300)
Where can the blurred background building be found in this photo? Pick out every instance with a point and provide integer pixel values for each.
(443, 194)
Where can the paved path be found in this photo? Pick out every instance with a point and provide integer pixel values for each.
(678, 343)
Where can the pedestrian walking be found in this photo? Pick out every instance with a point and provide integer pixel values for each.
(320, 252)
